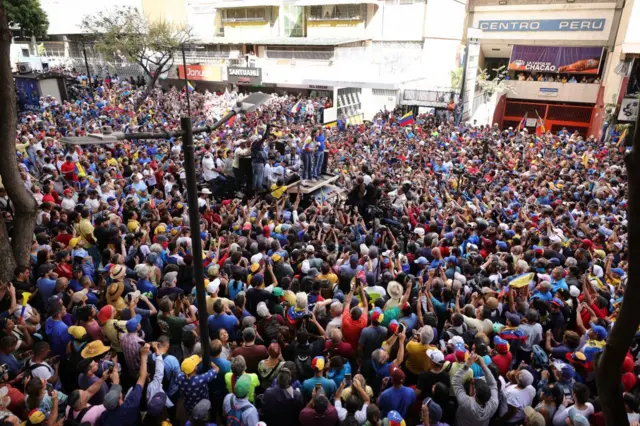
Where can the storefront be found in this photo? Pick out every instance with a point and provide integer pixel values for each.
(555, 56)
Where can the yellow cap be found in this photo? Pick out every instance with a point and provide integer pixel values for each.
(77, 331)
(254, 267)
(190, 364)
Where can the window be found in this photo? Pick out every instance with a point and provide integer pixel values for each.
(355, 12)
(308, 52)
(294, 22)
(25, 53)
(245, 14)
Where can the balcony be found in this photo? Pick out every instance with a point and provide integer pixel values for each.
(586, 93)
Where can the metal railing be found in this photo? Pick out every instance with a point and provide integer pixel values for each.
(318, 55)
(439, 97)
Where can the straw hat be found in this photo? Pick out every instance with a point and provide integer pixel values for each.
(114, 292)
(94, 349)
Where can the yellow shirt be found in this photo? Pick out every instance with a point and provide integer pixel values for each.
(417, 359)
(255, 381)
(85, 229)
(331, 277)
(112, 334)
(277, 191)
(133, 225)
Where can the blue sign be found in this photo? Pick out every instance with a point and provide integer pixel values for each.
(543, 25)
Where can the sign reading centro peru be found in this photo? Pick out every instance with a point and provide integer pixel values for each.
(201, 72)
(555, 59)
(241, 75)
(543, 25)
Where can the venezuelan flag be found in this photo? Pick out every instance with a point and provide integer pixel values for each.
(407, 119)
(622, 138)
(295, 108)
(330, 124)
(190, 87)
(521, 281)
(231, 121)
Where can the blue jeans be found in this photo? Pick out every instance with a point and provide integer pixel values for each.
(317, 165)
(307, 166)
(258, 176)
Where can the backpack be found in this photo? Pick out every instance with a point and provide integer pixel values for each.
(468, 335)
(271, 329)
(234, 416)
(77, 420)
(303, 362)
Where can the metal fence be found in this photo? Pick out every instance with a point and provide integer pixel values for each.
(440, 97)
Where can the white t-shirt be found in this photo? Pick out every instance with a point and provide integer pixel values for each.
(519, 398)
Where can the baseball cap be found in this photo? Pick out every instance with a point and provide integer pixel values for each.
(435, 412)
(534, 418)
(377, 315)
(190, 364)
(421, 261)
(557, 302)
(436, 356)
(600, 331)
(36, 416)
(397, 376)
(105, 313)
(514, 318)
(213, 286)
(568, 372)
(502, 346)
(393, 326)
(111, 400)
(157, 403)
(201, 410)
(318, 363)
(78, 332)
(394, 419)
(132, 324)
(243, 384)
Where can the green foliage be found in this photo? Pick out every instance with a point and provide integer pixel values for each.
(28, 15)
(456, 77)
(488, 86)
(126, 34)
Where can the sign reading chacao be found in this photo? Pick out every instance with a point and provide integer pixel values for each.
(543, 25)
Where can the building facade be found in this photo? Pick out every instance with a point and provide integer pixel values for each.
(561, 57)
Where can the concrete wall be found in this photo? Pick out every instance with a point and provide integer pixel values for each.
(398, 22)
(567, 92)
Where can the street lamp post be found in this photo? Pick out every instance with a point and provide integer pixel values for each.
(248, 104)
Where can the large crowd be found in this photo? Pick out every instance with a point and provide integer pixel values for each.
(467, 275)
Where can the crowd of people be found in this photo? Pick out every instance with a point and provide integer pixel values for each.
(468, 276)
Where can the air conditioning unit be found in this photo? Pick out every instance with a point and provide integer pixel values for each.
(24, 68)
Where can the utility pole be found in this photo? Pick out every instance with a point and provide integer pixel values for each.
(86, 64)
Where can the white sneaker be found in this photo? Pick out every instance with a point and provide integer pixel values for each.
(315, 179)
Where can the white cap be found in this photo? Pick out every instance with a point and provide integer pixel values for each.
(213, 286)
(456, 340)
(419, 231)
(310, 249)
(574, 291)
(436, 356)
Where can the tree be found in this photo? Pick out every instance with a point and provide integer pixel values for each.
(14, 251)
(609, 365)
(126, 34)
(29, 16)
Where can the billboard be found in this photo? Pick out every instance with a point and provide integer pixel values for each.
(201, 72)
(28, 94)
(555, 59)
(241, 75)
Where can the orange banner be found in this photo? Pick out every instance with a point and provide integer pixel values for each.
(201, 72)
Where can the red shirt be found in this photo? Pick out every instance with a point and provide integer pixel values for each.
(343, 349)
(64, 270)
(502, 361)
(68, 170)
(351, 329)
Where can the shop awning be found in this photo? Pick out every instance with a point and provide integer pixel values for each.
(230, 4)
(332, 2)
